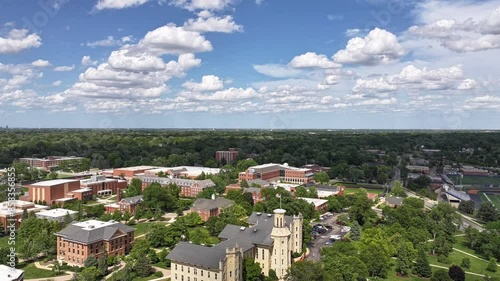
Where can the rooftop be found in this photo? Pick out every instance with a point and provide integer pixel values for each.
(81, 190)
(96, 179)
(54, 182)
(316, 202)
(92, 230)
(394, 200)
(210, 204)
(56, 213)
(8, 273)
(136, 168)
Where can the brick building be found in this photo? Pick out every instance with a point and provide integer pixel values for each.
(207, 208)
(278, 172)
(49, 162)
(123, 205)
(129, 172)
(187, 172)
(100, 185)
(79, 240)
(12, 211)
(56, 214)
(189, 188)
(230, 155)
(53, 190)
(320, 205)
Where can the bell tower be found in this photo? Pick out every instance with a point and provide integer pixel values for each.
(281, 257)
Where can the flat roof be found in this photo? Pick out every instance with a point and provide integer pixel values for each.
(8, 273)
(136, 168)
(81, 190)
(94, 224)
(316, 202)
(65, 199)
(56, 213)
(53, 182)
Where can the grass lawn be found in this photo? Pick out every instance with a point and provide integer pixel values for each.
(348, 190)
(495, 199)
(476, 266)
(141, 228)
(4, 242)
(161, 265)
(31, 272)
(467, 180)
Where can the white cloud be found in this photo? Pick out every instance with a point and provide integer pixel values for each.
(379, 46)
(170, 39)
(335, 17)
(64, 68)
(208, 83)
(192, 5)
(378, 85)
(57, 83)
(312, 60)
(468, 84)
(483, 103)
(259, 2)
(352, 32)
(436, 79)
(230, 94)
(110, 41)
(86, 60)
(41, 63)
(130, 61)
(118, 4)
(329, 81)
(18, 40)
(276, 70)
(213, 24)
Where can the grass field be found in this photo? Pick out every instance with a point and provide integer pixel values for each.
(142, 228)
(467, 180)
(495, 199)
(348, 190)
(31, 272)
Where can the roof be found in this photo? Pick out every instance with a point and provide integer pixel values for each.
(133, 200)
(8, 273)
(92, 230)
(135, 168)
(458, 194)
(6, 207)
(54, 182)
(97, 179)
(180, 182)
(210, 204)
(260, 182)
(316, 202)
(56, 213)
(394, 200)
(81, 190)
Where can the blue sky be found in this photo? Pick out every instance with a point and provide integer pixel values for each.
(269, 64)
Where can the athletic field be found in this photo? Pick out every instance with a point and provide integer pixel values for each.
(495, 199)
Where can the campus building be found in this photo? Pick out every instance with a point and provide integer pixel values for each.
(320, 205)
(278, 172)
(57, 191)
(79, 240)
(270, 240)
(49, 162)
(56, 214)
(8, 273)
(124, 205)
(230, 155)
(189, 188)
(186, 172)
(129, 172)
(100, 185)
(12, 211)
(207, 208)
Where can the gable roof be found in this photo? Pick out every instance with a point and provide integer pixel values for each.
(210, 204)
(78, 232)
(132, 200)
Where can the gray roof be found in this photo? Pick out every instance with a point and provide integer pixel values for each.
(86, 236)
(208, 257)
(260, 182)
(179, 182)
(458, 194)
(133, 200)
(252, 189)
(210, 204)
(394, 200)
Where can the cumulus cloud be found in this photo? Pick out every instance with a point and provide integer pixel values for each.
(208, 83)
(488, 102)
(467, 84)
(377, 85)
(86, 60)
(64, 68)
(41, 63)
(18, 40)
(213, 24)
(110, 41)
(170, 39)
(118, 4)
(57, 83)
(378, 47)
(422, 78)
(192, 5)
(277, 70)
(312, 60)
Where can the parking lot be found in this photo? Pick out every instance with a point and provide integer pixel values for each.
(323, 239)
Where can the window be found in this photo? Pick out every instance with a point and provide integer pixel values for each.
(182, 277)
(176, 276)
(262, 253)
(274, 261)
(208, 274)
(182, 268)
(230, 274)
(189, 278)
(175, 266)
(215, 276)
(282, 261)
(195, 271)
(189, 271)
(202, 272)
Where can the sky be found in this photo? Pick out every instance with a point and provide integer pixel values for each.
(270, 64)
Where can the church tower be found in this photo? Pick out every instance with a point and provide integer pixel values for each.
(281, 258)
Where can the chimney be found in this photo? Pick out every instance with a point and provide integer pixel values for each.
(213, 196)
(118, 195)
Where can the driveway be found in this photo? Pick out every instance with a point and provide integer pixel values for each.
(320, 241)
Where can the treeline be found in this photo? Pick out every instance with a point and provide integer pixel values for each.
(117, 148)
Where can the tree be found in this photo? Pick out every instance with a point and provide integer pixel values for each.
(305, 270)
(404, 261)
(89, 274)
(465, 263)
(301, 191)
(52, 176)
(164, 198)
(492, 265)
(355, 231)
(467, 207)
(252, 271)
(142, 267)
(91, 261)
(398, 190)
(487, 212)
(102, 262)
(456, 273)
(321, 177)
(422, 267)
(67, 219)
(441, 275)
(134, 189)
(361, 210)
(25, 214)
(244, 184)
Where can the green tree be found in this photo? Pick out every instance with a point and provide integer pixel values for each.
(361, 210)
(252, 271)
(134, 188)
(301, 191)
(398, 190)
(305, 270)
(67, 219)
(52, 176)
(456, 273)
(441, 275)
(422, 267)
(404, 261)
(199, 236)
(492, 265)
(164, 198)
(102, 262)
(321, 177)
(142, 267)
(89, 274)
(465, 263)
(355, 231)
(25, 214)
(244, 184)
(487, 212)
(467, 207)
(91, 261)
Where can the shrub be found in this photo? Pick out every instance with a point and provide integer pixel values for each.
(443, 259)
(158, 274)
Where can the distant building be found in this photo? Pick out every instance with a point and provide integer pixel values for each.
(278, 172)
(230, 156)
(129, 172)
(270, 240)
(472, 171)
(57, 191)
(123, 205)
(12, 211)
(393, 201)
(418, 169)
(455, 197)
(315, 168)
(207, 208)
(189, 188)
(327, 190)
(320, 205)
(48, 162)
(79, 240)
(189, 172)
(100, 185)
(372, 196)
(56, 214)
(8, 273)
